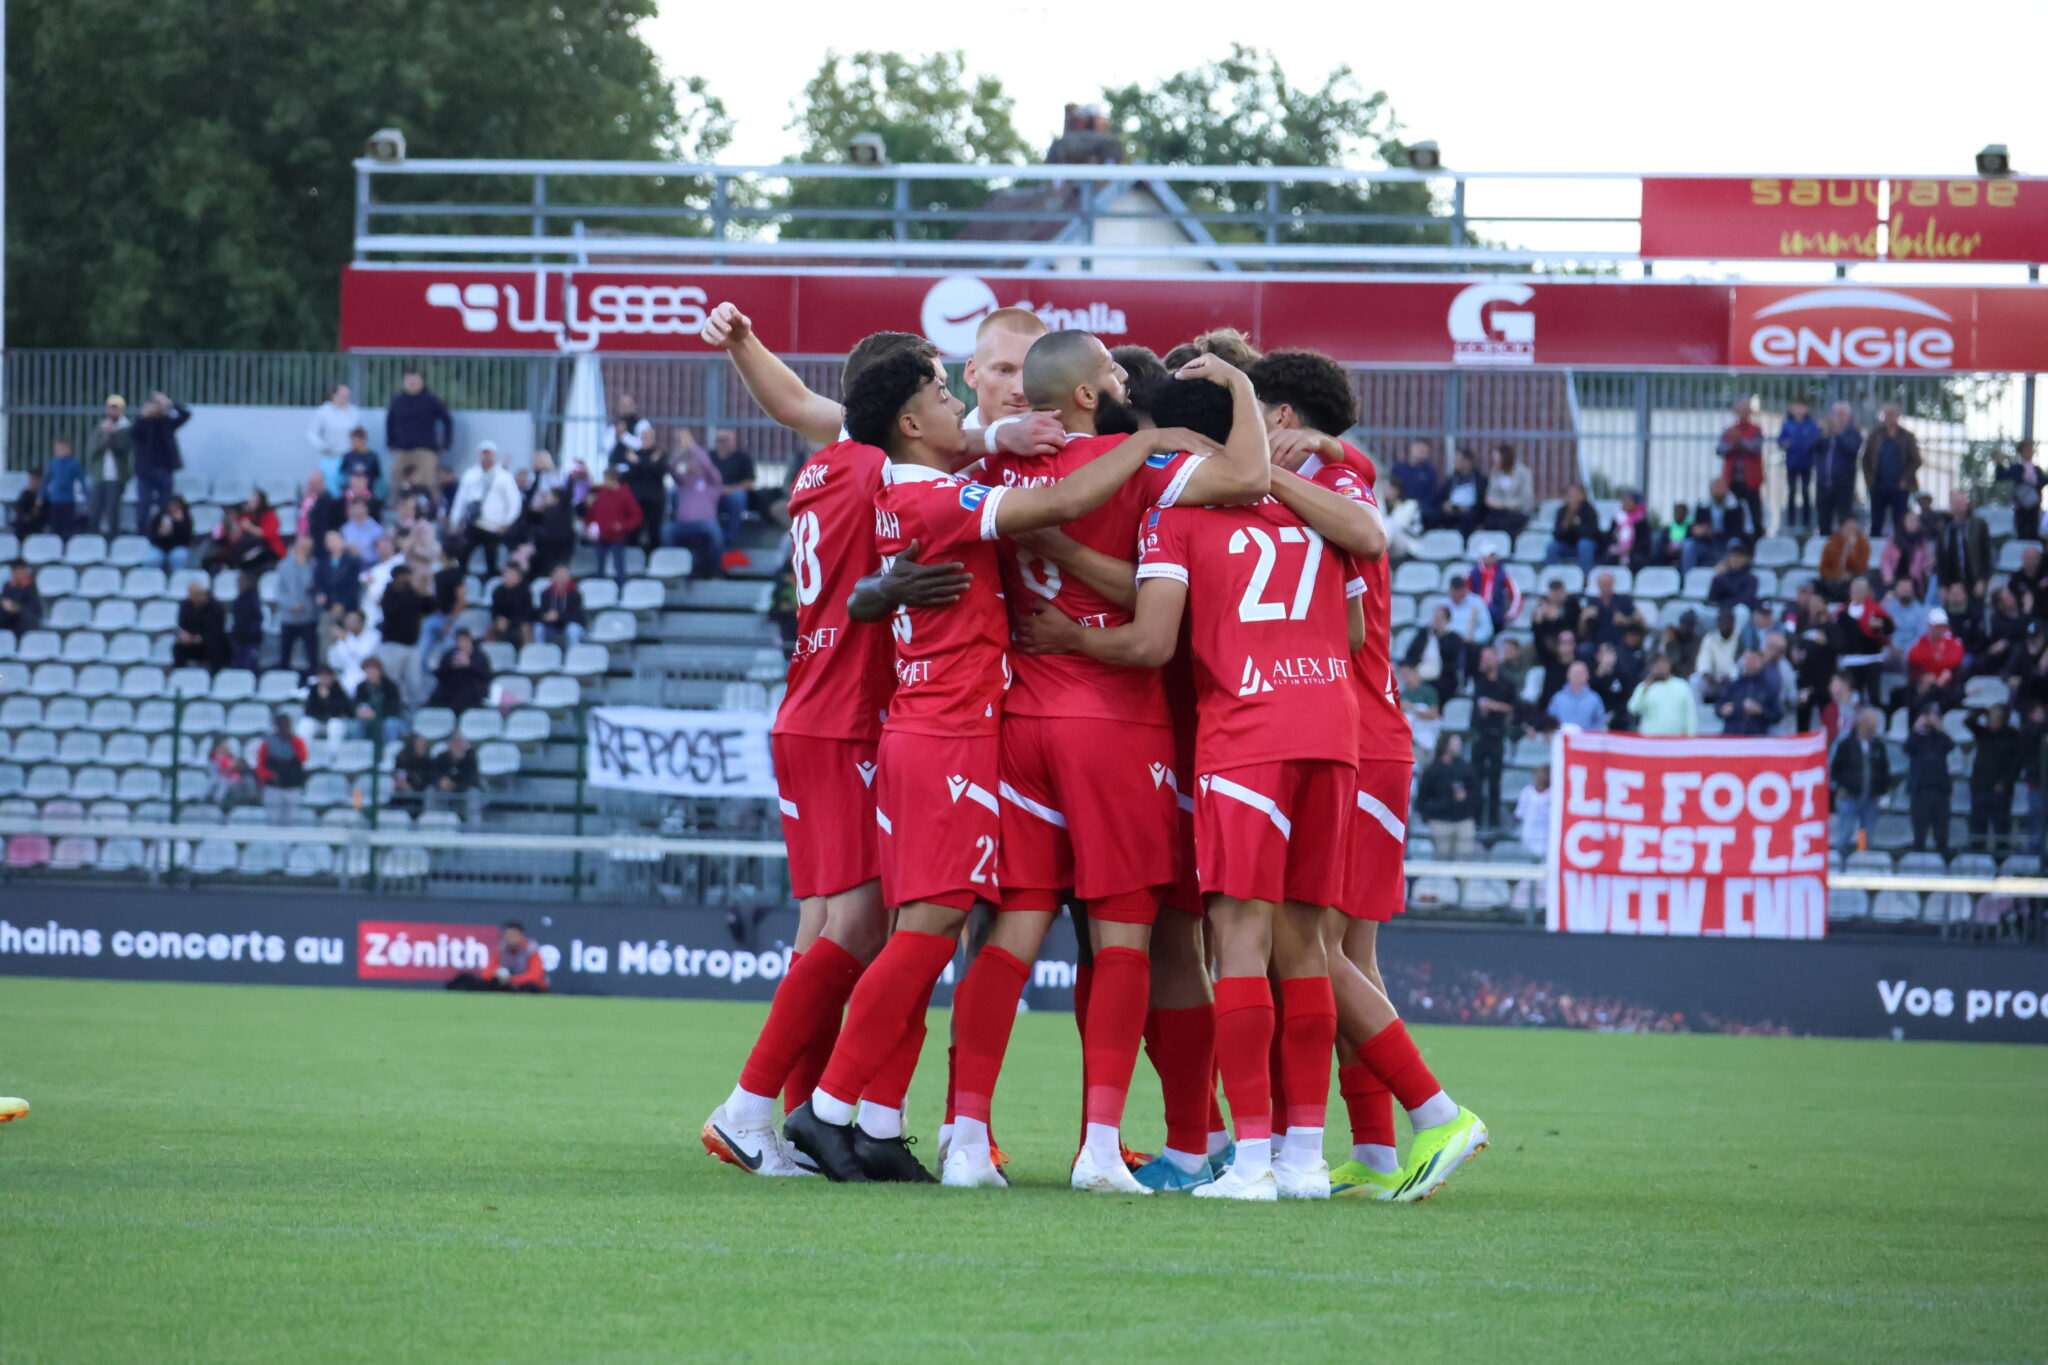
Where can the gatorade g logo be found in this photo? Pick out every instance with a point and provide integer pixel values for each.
(1502, 337)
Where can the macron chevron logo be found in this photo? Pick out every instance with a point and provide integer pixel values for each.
(1253, 681)
(957, 785)
(1160, 774)
(867, 774)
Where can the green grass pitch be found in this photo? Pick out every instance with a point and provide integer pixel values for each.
(256, 1174)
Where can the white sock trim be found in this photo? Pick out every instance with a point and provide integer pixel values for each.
(1254, 1157)
(1434, 1112)
(748, 1110)
(1187, 1163)
(1375, 1156)
(830, 1109)
(968, 1133)
(880, 1121)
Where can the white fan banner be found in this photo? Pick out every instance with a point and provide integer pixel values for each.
(680, 753)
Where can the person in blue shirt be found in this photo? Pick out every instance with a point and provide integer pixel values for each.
(1835, 464)
(1576, 703)
(63, 487)
(1797, 437)
(1420, 482)
(1750, 703)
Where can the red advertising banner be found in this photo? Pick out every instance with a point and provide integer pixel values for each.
(1760, 219)
(1968, 219)
(393, 950)
(1866, 327)
(1704, 837)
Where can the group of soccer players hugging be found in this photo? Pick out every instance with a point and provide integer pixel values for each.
(1116, 641)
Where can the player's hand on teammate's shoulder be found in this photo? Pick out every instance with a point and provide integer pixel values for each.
(725, 327)
(1215, 369)
(1034, 433)
(1046, 631)
(1167, 439)
(1292, 447)
(907, 583)
(1047, 542)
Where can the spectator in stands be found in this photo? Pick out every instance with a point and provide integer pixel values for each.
(1938, 654)
(21, 605)
(1861, 771)
(1742, 462)
(332, 422)
(1679, 644)
(246, 629)
(1835, 463)
(694, 520)
(1663, 704)
(1716, 523)
(1845, 556)
(1490, 582)
(1532, 814)
(356, 643)
(1863, 634)
(157, 458)
(30, 515)
(1403, 516)
(232, 546)
(1995, 772)
(418, 541)
(379, 706)
(1814, 660)
(2005, 635)
(1838, 713)
(259, 516)
(560, 619)
(405, 608)
(1928, 784)
(512, 611)
(450, 590)
(338, 580)
(1720, 655)
(1437, 654)
(413, 772)
(1633, 537)
(1448, 800)
(1777, 652)
(1762, 620)
(1891, 468)
(202, 640)
(111, 463)
(2026, 479)
(1493, 711)
(552, 524)
(1558, 609)
(486, 505)
(1470, 620)
(738, 478)
(615, 516)
(1419, 481)
(281, 771)
(1750, 704)
(319, 512)
(1576, 704)
(418, 430)
(455, 774)
(1734, 582)
(463, 679)
(328, 709)
(1909, 616)
(63, 487)
(228, 781)
(1552, 670)
(1514, 664)
(360, 533)
(1605, 619)
(628, 433)
(2034, 772)
(1909, 553)
(1464, 496)
(1798, 437)
(360, 460)
(1510, 492)
(1967, 623)
(356, 489)
(1575, 533)
(1421, 703)
(515, 966)
(1669, 547)
(1613, 679)
(1964, 554)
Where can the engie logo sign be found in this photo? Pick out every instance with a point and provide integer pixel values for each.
(1852, 328)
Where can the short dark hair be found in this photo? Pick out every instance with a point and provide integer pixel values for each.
(878, 345)
(881, 391)
(1143, 372)
(513, 924)
(1196, 404)
(1311, 383)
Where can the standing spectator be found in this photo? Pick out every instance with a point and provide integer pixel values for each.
(418, 542)
(2026, 479)
(1532, 814)
(2005, 635)
(1632, 540)
(1716, 523)
(486, 505)
(1845, 556)
(1464, 496)
(553, 524)
(451, 599)
(328, 709)
(332, 422)
(1491, 583)
(1576, 704)
(1862, 774)
(281, 770)
(1720, 654)
(1891, 468)
(1662, 704)
(379, 706)
(1510, 492)
(1928, 784)
(63, 486)
(1448, 800)
(1493, 710)
(1798, 436)
(464, 678)
(636, 454)
(247, 631)
(405, 610)
(1734, 582)
(359, 459)
(1995, 773)
(512, 609)
(356, 643)
(738, 477)
(1815, 661)
(695, 520)
(1836, 462)
(1616, 672)
(157, 458)
(21, 605)
(1938, 655)
(1909, 553)
(1420, 704)
(456, 775)
(1751, 704)
(202, 639)
(1437, 654)
(319, 511)
(1964, 555)
(1742, 461)
(1403, 516)
(418, 430)
(1839, 712)
(112, 464)
(615, 515)
(1575, 534)
(31, 515)
(560, 619)
(628, 432)
(1470, 620)
(1420, 483)
(1863, 632)
(298, 610)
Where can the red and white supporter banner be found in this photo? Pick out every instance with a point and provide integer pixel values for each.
(1703, 837)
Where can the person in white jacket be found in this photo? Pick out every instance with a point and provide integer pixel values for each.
(332, 422)
(356, 643)
(486, 505)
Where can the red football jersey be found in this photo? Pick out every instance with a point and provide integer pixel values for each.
(1267, 631)
(1383, 732)
(951, 662)
(1073, 684)
(842, 671)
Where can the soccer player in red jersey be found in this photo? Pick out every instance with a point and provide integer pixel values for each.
(1307, 397)
(937, 776)
(1088, 782)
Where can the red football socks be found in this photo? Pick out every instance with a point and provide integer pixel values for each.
(1182, 1045)
(892, 1082)
(1392, 1056)
(804, 1009)
(890, 996)
(1084, 987)
(1308, 1034)
(1244, 1036)
(1276, 1069)
(987, 1006)
(1369, 1104)
(1121, 989)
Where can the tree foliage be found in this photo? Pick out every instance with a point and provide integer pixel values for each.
(178, 170)
(925, 109)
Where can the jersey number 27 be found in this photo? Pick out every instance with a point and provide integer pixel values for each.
(1253, 606)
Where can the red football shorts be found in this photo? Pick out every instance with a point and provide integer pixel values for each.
(1374, 885)
(828, 812)
(1275, 831)
(1087, 804)
(935, 805)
